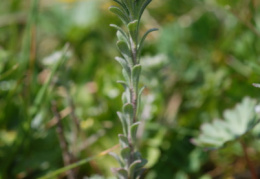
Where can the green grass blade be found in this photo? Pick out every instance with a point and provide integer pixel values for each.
(77, 164)
(40, 95)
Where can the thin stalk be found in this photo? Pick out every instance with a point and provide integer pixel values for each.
(248, 161)
(247, 23)
(66, 155)
(77, 164)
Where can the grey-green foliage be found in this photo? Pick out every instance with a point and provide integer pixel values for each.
(236, 123)
(130, 46)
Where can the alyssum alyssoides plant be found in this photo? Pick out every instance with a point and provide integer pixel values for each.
(130, 46)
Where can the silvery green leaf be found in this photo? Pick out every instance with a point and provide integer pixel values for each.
(236, 123)
(123, 140)
(132, 28)
(132, 168)
(123, 6)
(132, 25)
(125, 154)
(122, 32)
(124, 98)
(121, 173)
(123, 122)
(128, 112)
(138, 156)
(141, 43)
(133, 130)
(121, 14)
(125, 75)
(136, 71)
(124, 64)
(123, 83)
(144, 4)
(121, 37)
(125, 51)
(129, 5)
(139, 99)
(117, 158)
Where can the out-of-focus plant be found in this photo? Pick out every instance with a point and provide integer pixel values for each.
(130, 46)
(237, 122)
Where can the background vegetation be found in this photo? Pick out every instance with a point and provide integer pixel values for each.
(203, 60)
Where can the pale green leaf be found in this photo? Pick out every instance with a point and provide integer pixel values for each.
(237, 122)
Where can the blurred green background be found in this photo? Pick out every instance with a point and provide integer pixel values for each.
(203, 60)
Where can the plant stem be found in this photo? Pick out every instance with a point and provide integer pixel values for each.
(247, 23)
(130, 12)
(66, 155)
(249, 163)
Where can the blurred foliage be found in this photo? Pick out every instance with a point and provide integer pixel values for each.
(236, 123)
(203, 60)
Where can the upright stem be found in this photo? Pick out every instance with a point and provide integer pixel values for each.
(130, 11)
(67, 156)
(133, 90)
(249, 163)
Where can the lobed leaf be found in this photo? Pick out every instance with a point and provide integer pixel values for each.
(237, 122)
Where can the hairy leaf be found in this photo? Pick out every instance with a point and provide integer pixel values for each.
(125, 154)
(125, 51)
(120, 29)
(236, 123)
(139, 99)
(123, 140)
(136, 71)
(124, 64)
(141, 43)
(123, 6)
(120, 14)
(142, 7)
(132, 28)
(128, 111)
(132, 168)
(118, 159)
(133, 131)
(123, 122)
(121, 173)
